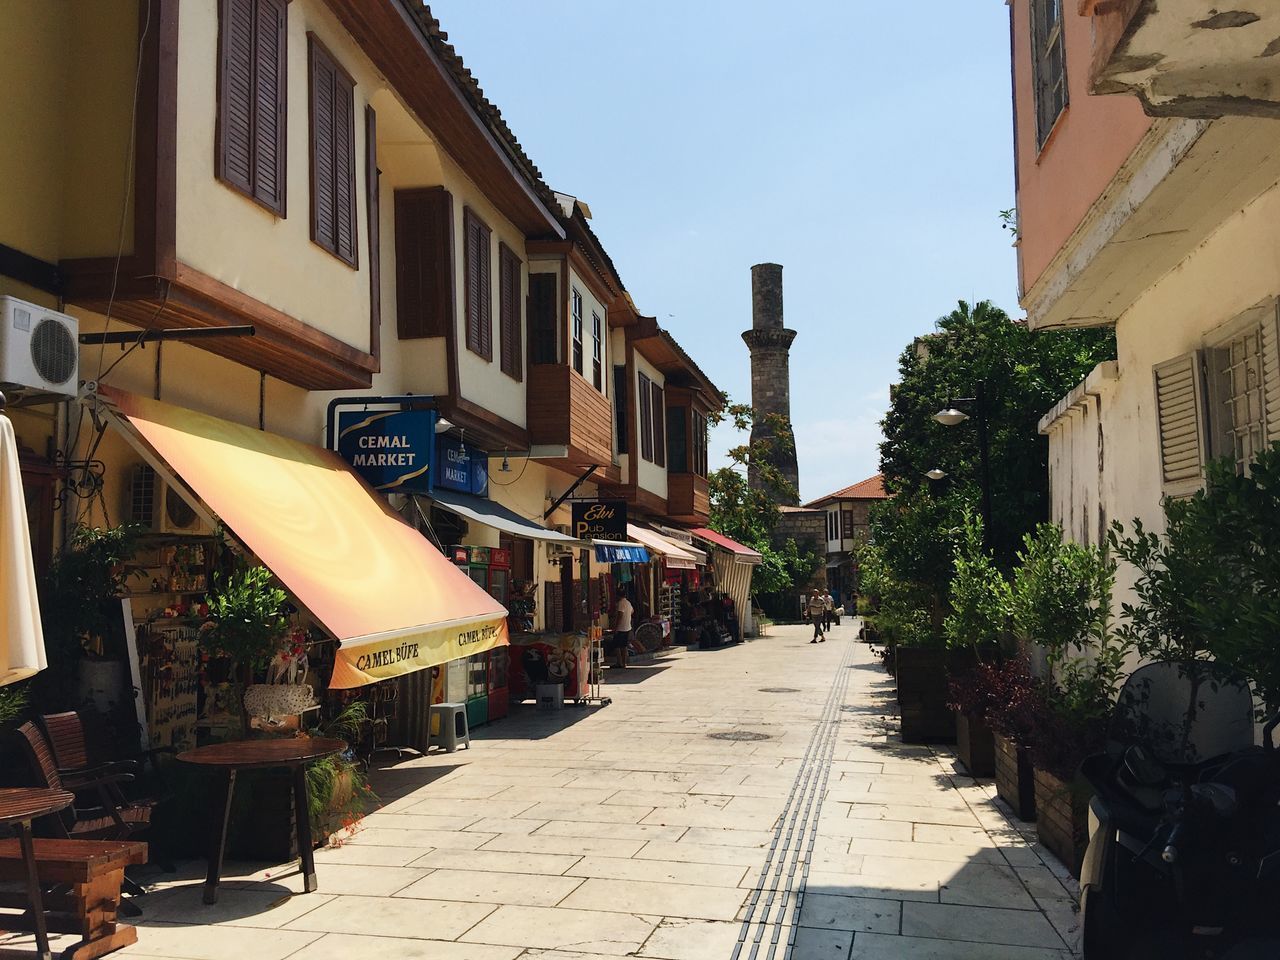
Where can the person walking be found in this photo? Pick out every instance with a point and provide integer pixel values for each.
(622, 629)
(816, 609)
(828, 610)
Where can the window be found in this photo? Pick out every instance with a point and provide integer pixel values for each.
(659, 426)
(249, 151)
(831, 525)
(333, 157)
(424, 262)
(677, 440)
(577, 330)
(1237, 416)
(597, 351)
(846, 521)
(645, 403)
(620, 393)
(511, 340)
(543, 341)
(1048, 65)
(700, 444)
(479, 285)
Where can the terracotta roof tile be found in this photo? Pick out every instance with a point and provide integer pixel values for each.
(871, 488)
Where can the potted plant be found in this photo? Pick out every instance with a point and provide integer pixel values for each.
(84, 624)
(977, 626)
(1061, 600)
(247, 620)
(1013, 700)
(337, 789)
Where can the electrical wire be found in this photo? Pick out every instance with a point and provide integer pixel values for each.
(129, 159)
(509, 482)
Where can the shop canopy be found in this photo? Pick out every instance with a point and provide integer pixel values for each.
(497, 516)
(740, 553)
(610, 551)
(393, 601)
(678, 556)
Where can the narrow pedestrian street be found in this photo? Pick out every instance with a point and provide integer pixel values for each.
(738, 803)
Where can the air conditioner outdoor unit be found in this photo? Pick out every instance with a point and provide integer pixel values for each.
(160, 507)
(39, 348)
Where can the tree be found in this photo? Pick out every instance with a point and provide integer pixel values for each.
(1021, 374)
(750, 515)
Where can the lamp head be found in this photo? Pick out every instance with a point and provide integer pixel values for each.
(506, 465)
(950, 417)
(936, 474)
(443, 425)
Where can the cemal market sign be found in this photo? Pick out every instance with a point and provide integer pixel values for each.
(391, 449)
(600, 519)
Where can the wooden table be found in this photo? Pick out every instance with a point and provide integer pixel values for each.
(93, 870)
(293, 753)
(19, 806)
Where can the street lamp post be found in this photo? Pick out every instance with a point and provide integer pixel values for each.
(951, 416)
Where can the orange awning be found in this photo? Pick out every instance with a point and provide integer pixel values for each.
(393, 601)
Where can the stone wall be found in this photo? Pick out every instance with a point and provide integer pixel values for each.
(770, 345)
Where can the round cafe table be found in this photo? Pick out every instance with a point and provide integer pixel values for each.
(293, 753)
(19, 806)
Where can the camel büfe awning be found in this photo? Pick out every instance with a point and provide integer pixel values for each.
(393, 601)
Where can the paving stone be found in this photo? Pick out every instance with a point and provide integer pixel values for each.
(570, 846)
(658, 899)
(979, 924)
(217, 942)
(370, 855)
(681, 939)
(446, 839)
(661, 871)
(850, 913)
(598, 813)
(475, 886)
(574, 931)
(880, 886)
(701, 853)
(871, 946)
(613, 831)
(416, 819)
(498, 861)
(812, 944)
(266, 905)
(344, 946)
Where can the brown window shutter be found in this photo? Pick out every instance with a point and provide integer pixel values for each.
(659, 427)
(270, 84)
(234, 153)
(509, 319)
(333, 164)
(543, 319)
(479, 287)
(646, 418)
(372, 200)
(424, 262)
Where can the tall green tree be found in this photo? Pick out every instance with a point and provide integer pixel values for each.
(975, 350)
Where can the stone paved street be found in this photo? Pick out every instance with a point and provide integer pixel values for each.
(650, 828)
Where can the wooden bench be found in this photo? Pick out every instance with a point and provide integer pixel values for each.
(93, 871)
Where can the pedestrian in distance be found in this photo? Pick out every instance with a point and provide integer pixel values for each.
(816, 610)
(622, 628)
(828, 610)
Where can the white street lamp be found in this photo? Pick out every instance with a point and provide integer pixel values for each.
(936, 474)
(950, 417)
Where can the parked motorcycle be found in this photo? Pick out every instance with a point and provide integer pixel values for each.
(1184, 849)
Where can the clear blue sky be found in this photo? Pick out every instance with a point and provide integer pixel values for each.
(864, 146)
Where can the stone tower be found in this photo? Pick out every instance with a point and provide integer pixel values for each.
(770, 345)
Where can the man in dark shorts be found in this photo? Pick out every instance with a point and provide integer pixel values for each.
(622, 628)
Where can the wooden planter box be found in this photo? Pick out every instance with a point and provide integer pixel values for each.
(923, 674)
(1015, 777)
(1062, 818)
(975, 745)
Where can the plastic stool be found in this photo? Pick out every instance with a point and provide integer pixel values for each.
(453, 725)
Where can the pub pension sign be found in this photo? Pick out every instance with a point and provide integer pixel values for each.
(599, 519)
(391, 449)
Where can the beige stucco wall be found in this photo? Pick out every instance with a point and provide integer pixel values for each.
(66, 69)
(649, 476)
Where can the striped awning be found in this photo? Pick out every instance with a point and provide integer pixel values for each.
(608, 551)
(678, 556)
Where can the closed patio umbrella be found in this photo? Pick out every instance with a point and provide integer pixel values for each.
(21, 637)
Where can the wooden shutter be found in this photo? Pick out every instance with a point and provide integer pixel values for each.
(620, 407)
(333, 163)
(270, 82)
(234, 154)
(1179, 390)
(659, 427)
(372, 200)
(543, 342)
(424, 262)
(511, 344)
(479, 287)
(1271, 368)
(646, 418)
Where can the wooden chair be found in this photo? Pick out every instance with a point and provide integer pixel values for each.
(113, 819)
(73, 758)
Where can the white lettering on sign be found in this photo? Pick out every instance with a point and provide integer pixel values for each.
(376, 442)
(383, 459)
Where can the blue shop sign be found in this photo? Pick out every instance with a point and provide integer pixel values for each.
(391, 449)
(461, 467)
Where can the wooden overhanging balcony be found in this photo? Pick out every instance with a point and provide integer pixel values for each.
(570, 423)
(1186, 59)
(688, 498)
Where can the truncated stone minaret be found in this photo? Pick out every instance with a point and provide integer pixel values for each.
(770, 345)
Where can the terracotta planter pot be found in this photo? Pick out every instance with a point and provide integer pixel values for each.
(923, 674)
(1062, 818)
(975, 745)
(1015, 777)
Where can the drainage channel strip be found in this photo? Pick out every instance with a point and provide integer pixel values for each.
(793, 839)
